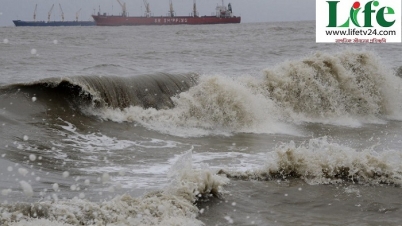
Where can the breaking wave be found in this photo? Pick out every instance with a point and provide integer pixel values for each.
(322, 162)
(216, 105)
(175, 205)
(324, 86)
(319, 161)
(347, 88)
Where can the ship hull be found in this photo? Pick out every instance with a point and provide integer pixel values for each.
(102, 20)
(19, 23)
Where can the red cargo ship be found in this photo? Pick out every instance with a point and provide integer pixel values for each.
(223, 15)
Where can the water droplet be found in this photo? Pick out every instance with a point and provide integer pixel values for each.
(55, 187)
(32, 157)
(23, 171)
(229, 219)
(66, 174)
(26, 188)
(105, 177)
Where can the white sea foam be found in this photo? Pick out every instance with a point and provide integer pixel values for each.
(96, 147)
(349, 88)
(152, 175)
(322, 162)
(95, 142)
(230, 160)
(174, 205)
(217, 105)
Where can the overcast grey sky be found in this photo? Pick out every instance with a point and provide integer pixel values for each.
(249, 10)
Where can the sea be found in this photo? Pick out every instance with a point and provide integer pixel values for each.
(232, 124)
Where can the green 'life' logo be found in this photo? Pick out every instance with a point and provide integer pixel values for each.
(354, 12)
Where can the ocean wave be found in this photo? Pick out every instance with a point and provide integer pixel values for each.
(347, 88)
(217, 105)
(104, 65)
(349, 83)
(172, 206)
(320, 161)
(147, 91)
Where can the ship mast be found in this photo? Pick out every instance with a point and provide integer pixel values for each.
(123, 7)
(195, 13)
(76, 15)
(147, 9)
(230, 9)
(34, 17)
(62, 13)
(49, 13)
(171, 11)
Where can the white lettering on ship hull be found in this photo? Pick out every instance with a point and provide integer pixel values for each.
(171, 20)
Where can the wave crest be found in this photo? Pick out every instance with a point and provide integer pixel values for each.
(172, 206)
(147, 91)
(322, 162)
(326, 85)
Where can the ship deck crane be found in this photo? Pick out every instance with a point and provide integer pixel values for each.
(50, 13)
(62, 13)
(123, 8)
(76, 15)
(34, 16)
(171, 11)
(147, 9)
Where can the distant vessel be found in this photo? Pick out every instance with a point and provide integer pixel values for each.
(49, 23)
(19, 23)
(223, 15)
